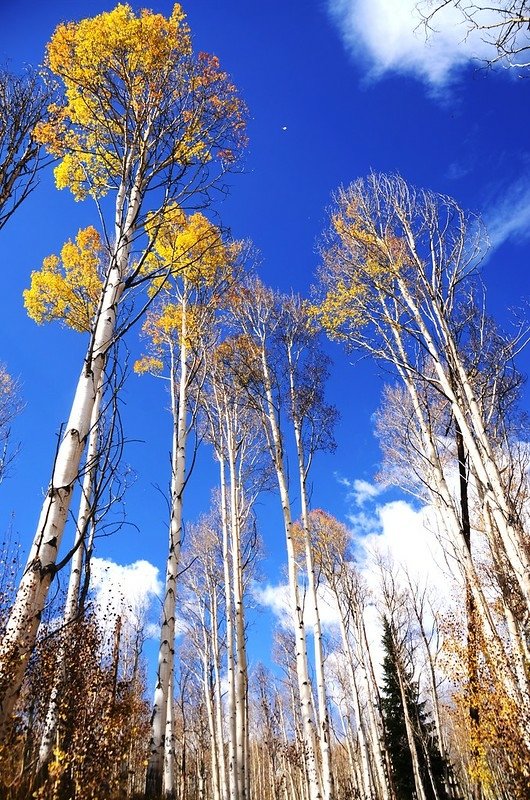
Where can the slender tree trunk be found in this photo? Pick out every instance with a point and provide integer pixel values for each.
(21, 629)
(478, 446)
(322, 700)
(231, 703)
(240, 682)
(302, 671)
(218, 703)
(71, 608)
(155, 781)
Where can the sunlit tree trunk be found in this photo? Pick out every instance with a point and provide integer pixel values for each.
(304, 684)
(71, 608)
(21, 629)
(322, 700)
(156, 779)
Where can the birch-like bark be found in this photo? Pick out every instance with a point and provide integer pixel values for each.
(443, 503)
(71, 608)
(22, 626)
(477, 443)
(210, 712)
(302, 671)
(223, 789)
(156, 779)
(322, 700)
(233, 785)
(362, 739)
(241, 679)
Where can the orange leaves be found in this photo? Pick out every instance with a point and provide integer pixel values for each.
(68, 288)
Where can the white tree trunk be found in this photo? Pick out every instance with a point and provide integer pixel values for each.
(22, 626)
(302, 670)
(322, 700)
(24, 619)
(241, 679)
(71, 609)
(166, 652)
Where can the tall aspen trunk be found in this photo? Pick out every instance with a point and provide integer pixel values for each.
(71, 608)
(364, 756)
(218, 704)
(233, 784)
(24, 619)
(23, 623)
(156, 779)
(444, 504)
(241, 679)
(210, 714)
(322, 700)
(478, 446)
(375, 715)
(302, 670)
(170, 762)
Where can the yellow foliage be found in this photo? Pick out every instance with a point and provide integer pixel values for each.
(191, 247)
(126, 78)
(68, 288)
(148, 364)
(492, 735)
(169, 327)
(361, 264)
(239, 357)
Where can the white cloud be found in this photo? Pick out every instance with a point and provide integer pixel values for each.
(410, 538)
(363, 491)
(390, 36)
(507, 216)
(276, 598)
(126, 590)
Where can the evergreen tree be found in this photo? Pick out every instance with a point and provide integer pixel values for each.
(432, 766)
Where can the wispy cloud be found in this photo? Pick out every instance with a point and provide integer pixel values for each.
(507, 215)
(389, 36)
(359, 490)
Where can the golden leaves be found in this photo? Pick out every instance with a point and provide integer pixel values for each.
(68, 288)
(191, 247)
(131, 86)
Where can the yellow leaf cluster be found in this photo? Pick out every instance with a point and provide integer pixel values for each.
(342, 309)
(191, 247)
(68, 288)
(148, 364)
(167, 327)
(113, 65)
(130, 82)
(239, 356)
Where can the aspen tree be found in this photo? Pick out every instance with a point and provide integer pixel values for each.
(67, 289)
(238, 443)
(257, 316)
(312, 421)
(203, 580)
(177, 329)
(397, 263)
(330, 539)
(145, 120)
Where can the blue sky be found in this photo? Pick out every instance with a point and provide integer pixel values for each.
(334, 89)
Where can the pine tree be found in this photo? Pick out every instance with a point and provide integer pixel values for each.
(398, 682)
